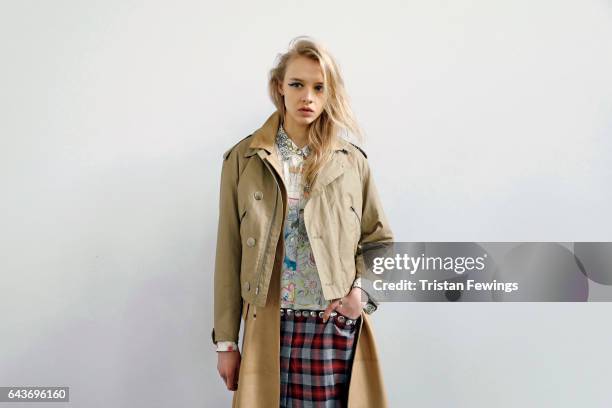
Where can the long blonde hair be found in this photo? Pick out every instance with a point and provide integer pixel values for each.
(337, 114)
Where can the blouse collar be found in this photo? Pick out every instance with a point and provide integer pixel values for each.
(287, 147)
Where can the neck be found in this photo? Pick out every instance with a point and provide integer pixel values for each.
(298, 134)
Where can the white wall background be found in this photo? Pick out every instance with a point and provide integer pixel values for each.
(486, 121)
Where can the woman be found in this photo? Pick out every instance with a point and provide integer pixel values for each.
(298, 206)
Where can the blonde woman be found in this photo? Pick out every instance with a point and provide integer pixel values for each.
(298, 205)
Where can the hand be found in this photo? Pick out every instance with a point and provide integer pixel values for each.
(228, 365)
(350, 307)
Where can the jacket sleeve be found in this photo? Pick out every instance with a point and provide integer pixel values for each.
(376, 235)
(227, 297)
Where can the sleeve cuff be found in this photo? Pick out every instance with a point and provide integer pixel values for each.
(227, 346)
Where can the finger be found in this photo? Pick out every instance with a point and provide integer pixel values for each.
(237, 376)
(231, 383)
(331, 307)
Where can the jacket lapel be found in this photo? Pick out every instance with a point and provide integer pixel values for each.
(263, 141)
(328, 173)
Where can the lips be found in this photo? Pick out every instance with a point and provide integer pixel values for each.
(306, 110)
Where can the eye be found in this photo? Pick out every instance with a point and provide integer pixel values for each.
(295, 84)
(319, 88)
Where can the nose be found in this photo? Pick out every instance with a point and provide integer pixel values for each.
(306, 98)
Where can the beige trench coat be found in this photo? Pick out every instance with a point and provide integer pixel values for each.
(355, 206)
(259, 378)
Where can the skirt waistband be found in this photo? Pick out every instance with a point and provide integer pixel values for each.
(315, 313)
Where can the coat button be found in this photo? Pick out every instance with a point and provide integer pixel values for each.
(247, 285)
(251, 241)
(258, 195)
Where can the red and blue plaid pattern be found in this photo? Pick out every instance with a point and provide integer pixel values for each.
(316, 359)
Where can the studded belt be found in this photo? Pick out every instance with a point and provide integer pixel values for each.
(317, 314)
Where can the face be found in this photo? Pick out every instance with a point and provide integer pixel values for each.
(303, 91)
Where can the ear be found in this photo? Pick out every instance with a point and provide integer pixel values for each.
(280, 88)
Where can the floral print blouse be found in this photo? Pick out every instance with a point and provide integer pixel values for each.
(300, 282)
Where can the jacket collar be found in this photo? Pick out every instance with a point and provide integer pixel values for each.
(263, 145)
(265, 137)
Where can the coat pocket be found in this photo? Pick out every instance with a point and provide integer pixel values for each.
(357, 216)
(243, 214)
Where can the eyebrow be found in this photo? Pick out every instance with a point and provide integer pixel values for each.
(298, 79)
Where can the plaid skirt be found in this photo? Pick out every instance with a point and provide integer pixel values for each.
(315, 358)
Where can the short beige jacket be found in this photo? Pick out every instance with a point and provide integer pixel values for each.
(343, 214)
